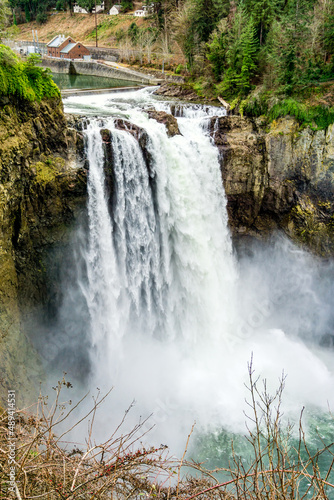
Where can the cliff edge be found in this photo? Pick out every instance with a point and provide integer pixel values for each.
(41, 191)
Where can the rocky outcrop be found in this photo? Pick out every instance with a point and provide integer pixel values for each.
(279, 178)
(168, 120)
(179, 91)
(41, 192)
(129, 127)
(140, 135)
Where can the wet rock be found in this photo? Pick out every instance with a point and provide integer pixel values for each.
(278, 179)
(106, 135)
(141, 135)
(327, 340)
(179, 91)
(42, 193)
(168, 120)
(129, 127)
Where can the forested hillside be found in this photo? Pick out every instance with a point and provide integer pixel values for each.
(262, 50)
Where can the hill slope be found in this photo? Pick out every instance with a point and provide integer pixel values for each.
(82, 27)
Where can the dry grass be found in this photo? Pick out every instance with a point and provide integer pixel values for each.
(48, 467)
(79, 26)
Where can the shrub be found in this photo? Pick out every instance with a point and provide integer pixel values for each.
(41, 17)
(179, 69)
(47, 466)
(319, 117)
(25, 80)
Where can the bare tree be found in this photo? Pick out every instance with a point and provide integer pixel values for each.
(4, 15)
(46, 465)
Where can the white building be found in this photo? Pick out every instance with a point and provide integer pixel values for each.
(141, 13)
(115, 10)
(80, 10)
(99, 8)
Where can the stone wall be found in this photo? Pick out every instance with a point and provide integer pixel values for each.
(104, 53)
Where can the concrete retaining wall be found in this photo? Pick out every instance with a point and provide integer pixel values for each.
(93, 68)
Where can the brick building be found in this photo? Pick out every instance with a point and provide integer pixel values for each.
(74, 51)
(66, 48)
(57, 43)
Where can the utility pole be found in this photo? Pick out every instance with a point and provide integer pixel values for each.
(95, 26)
(38, 51)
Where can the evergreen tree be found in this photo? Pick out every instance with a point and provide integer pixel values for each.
(203, 17)
(262, 13)
(27, 13)
(207, 14)
(217, 50)
(328, 36)
(249, 51)
(32, 7)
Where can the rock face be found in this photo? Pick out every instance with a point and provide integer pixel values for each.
(168, 120)
(179, 91)
(140, 135)
(279, 178)
(276, 178)
(41, 192)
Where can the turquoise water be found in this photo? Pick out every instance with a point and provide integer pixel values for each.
(66, 81)
(225, 451)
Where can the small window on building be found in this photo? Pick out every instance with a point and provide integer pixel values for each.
(79, 46)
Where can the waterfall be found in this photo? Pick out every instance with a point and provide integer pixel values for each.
(160, 262)
(174, 317)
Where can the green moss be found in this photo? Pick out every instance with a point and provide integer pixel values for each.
(313, 227)
(46, 171)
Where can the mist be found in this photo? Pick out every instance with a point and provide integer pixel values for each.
(158, 304)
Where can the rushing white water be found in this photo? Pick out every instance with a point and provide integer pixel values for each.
(174, 317)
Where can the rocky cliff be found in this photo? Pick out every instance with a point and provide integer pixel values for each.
(278, 177)
(41, 191)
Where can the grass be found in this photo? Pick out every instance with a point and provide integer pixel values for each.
(312, 111)
(317, 117)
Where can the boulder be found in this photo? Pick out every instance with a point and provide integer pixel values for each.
(168, 120)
